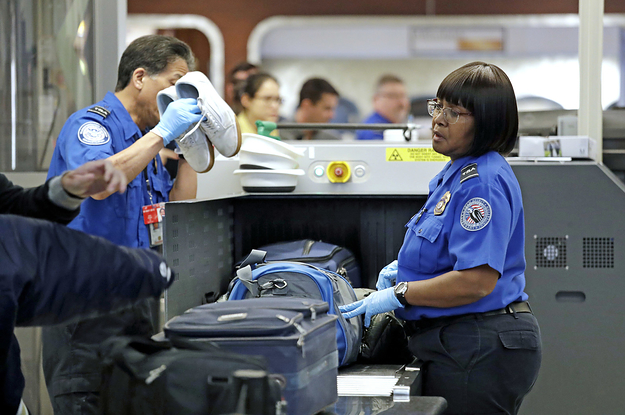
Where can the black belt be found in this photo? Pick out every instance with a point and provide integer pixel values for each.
(413, 326)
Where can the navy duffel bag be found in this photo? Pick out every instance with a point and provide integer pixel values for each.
(321, 254)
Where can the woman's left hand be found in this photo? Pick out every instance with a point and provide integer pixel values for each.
(377, 302)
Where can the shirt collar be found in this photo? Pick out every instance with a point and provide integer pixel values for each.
(130, 129)
(450, 170)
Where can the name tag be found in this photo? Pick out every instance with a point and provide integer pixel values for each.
(153, 218)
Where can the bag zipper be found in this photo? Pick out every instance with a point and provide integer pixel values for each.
(341, 269)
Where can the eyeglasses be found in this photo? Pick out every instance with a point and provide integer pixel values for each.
(450, 115)
(270, 99)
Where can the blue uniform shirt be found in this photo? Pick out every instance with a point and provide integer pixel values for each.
(480, 221)
(374, 118)
(98, 132)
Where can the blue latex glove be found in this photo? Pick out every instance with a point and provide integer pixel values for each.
(177, 118)
(377, 302)
(387, 276)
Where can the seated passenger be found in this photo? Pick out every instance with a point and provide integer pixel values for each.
(236, 79)
(317, 102)
(260, 99)
(390, 105)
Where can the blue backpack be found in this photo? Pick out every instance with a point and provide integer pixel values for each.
(256, 278)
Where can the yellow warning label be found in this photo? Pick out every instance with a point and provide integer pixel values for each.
(414, 154)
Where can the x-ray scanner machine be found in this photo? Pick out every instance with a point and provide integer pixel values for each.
(575, 248)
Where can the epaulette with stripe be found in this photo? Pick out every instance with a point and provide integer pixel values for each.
(468, 172)
(103, 112)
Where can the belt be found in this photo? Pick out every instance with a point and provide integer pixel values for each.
(413, 326)
(518, 307)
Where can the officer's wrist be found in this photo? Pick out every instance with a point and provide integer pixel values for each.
(400, 290)
(162, 133)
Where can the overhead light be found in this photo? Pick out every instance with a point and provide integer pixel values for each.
(83, 66)
(81, 29)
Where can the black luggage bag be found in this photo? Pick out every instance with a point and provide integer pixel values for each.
(296, 336)
(145, 377)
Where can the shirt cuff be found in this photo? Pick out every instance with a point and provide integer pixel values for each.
(60, 197)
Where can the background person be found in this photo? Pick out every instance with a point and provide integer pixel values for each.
(317, 102)
(260, 98)
(460, 271)
(124, 128)
(390, 106)
(236, 79)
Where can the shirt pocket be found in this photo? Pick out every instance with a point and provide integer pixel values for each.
(160, 186)
(128, 203)
(422, 250)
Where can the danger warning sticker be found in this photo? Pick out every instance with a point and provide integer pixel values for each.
(413, 154)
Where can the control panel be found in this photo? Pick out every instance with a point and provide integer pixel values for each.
(338, 171)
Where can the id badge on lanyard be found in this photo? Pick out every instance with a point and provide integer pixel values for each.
(153, 215)
(153, 218)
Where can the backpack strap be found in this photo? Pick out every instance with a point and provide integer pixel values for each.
(244, 274)
(255, 257)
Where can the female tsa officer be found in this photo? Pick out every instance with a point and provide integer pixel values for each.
(460, 271)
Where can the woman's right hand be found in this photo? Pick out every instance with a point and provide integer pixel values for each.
(387, 276)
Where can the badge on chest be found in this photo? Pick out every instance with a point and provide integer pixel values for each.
(442, 204)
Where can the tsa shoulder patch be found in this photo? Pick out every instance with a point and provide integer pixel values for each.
(468, 172)
(92, 133)
(476, 214)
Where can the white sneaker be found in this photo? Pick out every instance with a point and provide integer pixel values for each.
(194, 146)
(219, 123)
(164, 98)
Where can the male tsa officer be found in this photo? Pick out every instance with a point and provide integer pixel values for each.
(118, 129)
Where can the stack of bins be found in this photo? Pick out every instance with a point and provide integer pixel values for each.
(268, 165)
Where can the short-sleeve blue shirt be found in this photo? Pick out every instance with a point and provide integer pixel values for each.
(481, 223)
(374, 118)
(98, 132)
